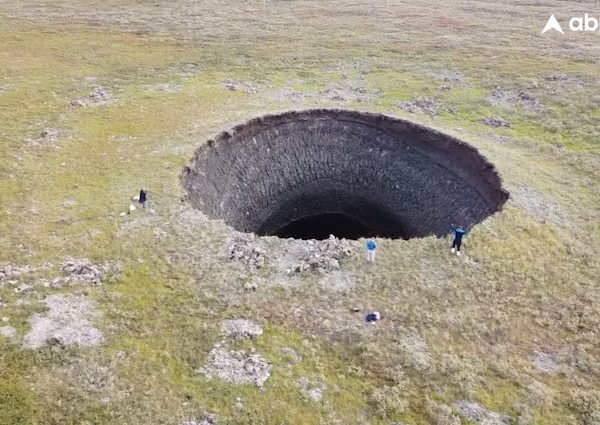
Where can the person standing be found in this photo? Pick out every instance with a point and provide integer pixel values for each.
(144, 198)
(371, 248)
(459, 232)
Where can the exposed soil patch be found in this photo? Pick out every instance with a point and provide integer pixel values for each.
(496, 122)
(425, 105)
(311, 390)
(241, 328)
(539, 205)
(344, 94)
(480, 415)
(67, 322)
(546, 363)
(506, 98)
(166, 88)
(100, 96)
(244, 86)
(237, 367)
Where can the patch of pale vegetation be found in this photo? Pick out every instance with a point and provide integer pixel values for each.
(311, 390)
(241, 328)
(100, 96)
(539, 205)
(8, 332)
(480, 415)
(68, 321)
(237, 367)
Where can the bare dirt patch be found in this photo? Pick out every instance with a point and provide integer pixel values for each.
(241, 328)
(100, 96)
(480, 415)
(506, 98)
(423, 105)
(539, 205)
(237, 367)
(69, 321)
(496, 122)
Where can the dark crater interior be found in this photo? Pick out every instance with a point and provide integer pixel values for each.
(309, 174)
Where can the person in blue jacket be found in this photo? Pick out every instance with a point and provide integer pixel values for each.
(459, 232)
(371, 248)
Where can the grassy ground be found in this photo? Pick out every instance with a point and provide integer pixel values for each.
(460, 328)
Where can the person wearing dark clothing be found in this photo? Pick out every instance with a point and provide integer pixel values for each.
(459, 232)
(143, 198)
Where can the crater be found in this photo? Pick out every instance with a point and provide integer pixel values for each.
(309, 174)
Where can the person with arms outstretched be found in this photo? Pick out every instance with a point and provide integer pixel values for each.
(459, 232)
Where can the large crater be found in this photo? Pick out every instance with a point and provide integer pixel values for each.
(308, 174)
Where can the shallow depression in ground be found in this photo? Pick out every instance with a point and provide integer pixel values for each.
(308, 174)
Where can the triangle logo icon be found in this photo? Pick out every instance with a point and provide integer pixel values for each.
(552, 24)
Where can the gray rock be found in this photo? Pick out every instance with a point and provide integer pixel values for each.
(243, 248)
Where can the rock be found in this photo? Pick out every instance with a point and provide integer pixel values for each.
(241, 328)
(321, 256)
(496, 121)
(237, 367)
(445, 87)
(478, 414)
(241, 247)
